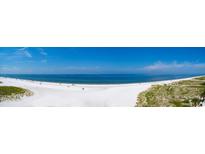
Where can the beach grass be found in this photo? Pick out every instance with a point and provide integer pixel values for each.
(13, 93)
(187, 93)
(200, 78)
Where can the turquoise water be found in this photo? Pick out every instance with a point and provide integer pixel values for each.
(95, 78)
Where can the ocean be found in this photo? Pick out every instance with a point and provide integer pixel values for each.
(95, 78)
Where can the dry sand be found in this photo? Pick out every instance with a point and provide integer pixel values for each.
(84, 95)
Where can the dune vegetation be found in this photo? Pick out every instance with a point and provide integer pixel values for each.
(186, 93)
(12, 93)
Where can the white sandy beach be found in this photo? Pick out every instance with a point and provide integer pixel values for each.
(80, 95)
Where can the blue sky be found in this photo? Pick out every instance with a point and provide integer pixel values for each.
(102, 60)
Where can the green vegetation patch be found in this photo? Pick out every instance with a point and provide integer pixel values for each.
(200, 78)
(185, 93)
(12, 93)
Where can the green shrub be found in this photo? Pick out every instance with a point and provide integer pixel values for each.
(11, 93)
(178, 94)
(201, 78)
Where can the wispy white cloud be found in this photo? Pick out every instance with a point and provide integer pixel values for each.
(42, 52)
(161, 66)
(175, 67)
(16, 54)
(23, 52)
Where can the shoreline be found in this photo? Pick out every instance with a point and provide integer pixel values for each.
(100, 84)
(79, 95)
